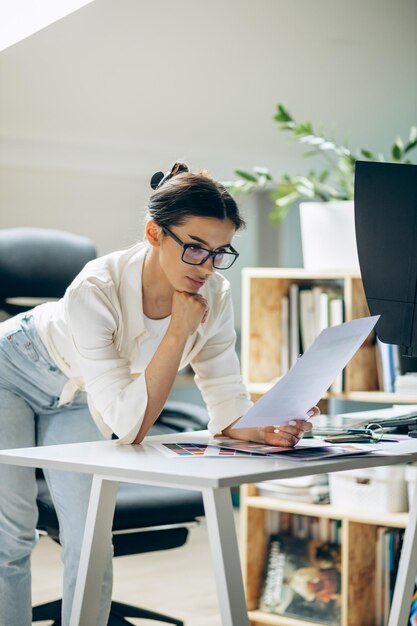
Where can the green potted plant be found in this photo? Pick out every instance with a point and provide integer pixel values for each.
(333, 184)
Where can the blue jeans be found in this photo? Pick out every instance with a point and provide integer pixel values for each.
(30, 386)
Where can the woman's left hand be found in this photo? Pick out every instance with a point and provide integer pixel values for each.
(288, 434)
(285, 435)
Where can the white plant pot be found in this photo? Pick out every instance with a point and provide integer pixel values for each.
(328, 236)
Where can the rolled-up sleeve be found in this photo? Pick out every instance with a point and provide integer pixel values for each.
(217, 372)
(119, 397)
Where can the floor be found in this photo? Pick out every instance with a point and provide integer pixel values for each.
(176, 582)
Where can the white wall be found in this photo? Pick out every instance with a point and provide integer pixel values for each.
(92, 105)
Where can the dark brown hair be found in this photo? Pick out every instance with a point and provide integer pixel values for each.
(181, 194)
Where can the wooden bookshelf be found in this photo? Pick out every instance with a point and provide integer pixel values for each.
(262, 290)
(359, 537)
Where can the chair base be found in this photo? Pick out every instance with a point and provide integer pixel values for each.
(118, 614)
(48, 611)
(120, 611)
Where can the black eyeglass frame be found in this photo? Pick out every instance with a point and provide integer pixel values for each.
(210, 253)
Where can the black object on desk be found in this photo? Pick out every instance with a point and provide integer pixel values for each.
(374, 433)
(324, 425)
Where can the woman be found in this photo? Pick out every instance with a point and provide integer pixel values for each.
(110, 350)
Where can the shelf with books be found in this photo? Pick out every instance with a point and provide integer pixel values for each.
(284, 309)
(266, 328)
(362, 539)
(393, 520)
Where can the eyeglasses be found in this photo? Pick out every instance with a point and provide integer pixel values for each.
(196, 255)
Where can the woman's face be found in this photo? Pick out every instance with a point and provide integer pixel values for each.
(207, 232)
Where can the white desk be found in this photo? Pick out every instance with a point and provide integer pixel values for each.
(111, 463)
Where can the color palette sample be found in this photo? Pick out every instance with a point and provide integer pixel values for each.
(186, 449)
(201, 449)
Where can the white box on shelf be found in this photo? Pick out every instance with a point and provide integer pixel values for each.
(411, 478)
(375, 490)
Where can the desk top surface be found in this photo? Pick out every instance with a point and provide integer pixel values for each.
(144, 464)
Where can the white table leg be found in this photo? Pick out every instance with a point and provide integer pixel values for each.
(92, 562)
(225, 554)
(407, 570)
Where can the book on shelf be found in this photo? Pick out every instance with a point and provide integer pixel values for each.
(307, 319)
(294, 330)
(322, 310)
(387, 557)
(336, 317)
(285, 344)
(322, 298)
(302, 579)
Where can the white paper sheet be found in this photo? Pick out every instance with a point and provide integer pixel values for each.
(313, 373)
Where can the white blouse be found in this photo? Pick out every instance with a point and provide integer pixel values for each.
(96, 334)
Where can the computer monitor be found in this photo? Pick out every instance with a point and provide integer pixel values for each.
(386, 236)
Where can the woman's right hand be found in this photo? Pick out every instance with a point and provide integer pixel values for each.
(189, 310)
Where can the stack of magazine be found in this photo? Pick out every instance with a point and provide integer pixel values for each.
(311, 489)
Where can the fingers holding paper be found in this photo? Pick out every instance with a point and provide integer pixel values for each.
(287, 435)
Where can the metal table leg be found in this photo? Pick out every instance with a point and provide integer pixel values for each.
(407, 570)
(225, 554)
(92, 562)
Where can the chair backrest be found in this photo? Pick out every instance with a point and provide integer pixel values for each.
(39, 262)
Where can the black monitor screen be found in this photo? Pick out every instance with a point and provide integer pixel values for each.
(386, 235)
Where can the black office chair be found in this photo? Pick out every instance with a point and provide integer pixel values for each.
(40, 263)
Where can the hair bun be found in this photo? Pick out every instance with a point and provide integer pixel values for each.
(179, 168)
(159, 178)
(156, 179)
